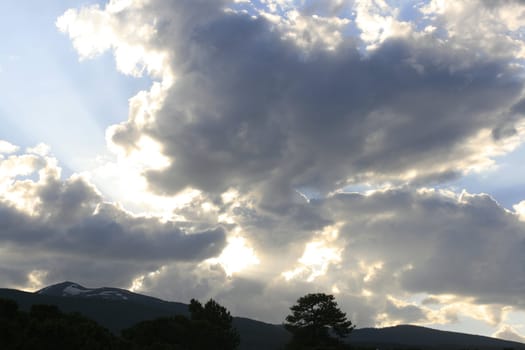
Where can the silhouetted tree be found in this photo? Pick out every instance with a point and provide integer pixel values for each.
(317, 322)
(10, 330)
(161, 333)
(46, 327)
(215, 322)
(8, 308)
(209, 328)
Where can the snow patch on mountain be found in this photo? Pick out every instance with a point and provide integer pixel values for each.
(75, 289)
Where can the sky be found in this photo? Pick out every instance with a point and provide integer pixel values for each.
(253, 151)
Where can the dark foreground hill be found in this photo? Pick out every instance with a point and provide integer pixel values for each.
(117, 309)
(415, 337)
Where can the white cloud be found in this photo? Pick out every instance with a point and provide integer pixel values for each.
(378, 21)
(520, 210)
(491, 27)
(308, 31)
(94, 30)
(6, 147)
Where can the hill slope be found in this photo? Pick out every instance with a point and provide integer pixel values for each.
(117, 309)
(116, 312)
(428, 338)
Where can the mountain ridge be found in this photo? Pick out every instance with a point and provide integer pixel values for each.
(117, 314)
(116, 309)
(70, 289)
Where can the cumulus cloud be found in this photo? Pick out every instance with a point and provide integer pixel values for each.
(69, 221)
(437, 243)
(6, 147)
(491, 27)
(241, 106)
(520, 210)
(378, 21)
(462, 254)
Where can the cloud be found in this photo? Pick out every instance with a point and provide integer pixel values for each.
(403, 313)
(520, 210)
(6, 147)
(68, 220)
(249, 109)
(436, 243)
(509, 333)
(485, 26)
(461, 254)
(378, 21)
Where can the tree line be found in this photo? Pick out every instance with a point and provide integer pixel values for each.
(316, 323)
(209, 326)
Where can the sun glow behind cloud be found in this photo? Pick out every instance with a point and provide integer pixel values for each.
(236, 256)
(318, 256)
(138, 283)
(122, 179)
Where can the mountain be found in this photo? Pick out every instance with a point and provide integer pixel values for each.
(415, 337)
(117, 309)
(71, 289)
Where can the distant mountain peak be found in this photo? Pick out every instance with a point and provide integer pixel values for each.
(59, 286)
(73, 289)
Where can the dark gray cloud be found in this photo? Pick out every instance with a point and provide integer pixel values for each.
(436, 244)
(65, 230)
(405, 313)
(499, 3)
(109, 233)
(252, 111)
(35, 268)
(328, 8)
(13, 276)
